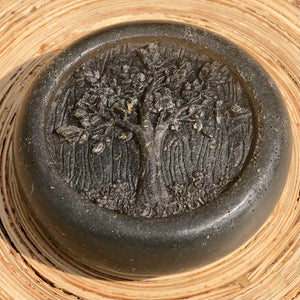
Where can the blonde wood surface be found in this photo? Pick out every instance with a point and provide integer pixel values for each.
(266, 267)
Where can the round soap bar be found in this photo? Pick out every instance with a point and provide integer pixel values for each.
(151, 148)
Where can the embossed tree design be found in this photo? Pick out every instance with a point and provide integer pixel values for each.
(141, 97)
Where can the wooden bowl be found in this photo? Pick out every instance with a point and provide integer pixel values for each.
(266, 266)
(78, 107)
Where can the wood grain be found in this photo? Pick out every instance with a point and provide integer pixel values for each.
(265, 267)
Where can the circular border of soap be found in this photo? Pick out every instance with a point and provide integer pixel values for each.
(130, 246)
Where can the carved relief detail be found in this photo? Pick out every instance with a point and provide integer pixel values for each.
(150, 129)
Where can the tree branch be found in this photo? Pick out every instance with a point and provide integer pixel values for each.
(161, 116)
(118, 121)
(181, 110)
(147, 91)
(126, 125)
(99, 127)
(187, 118)
(143, 106)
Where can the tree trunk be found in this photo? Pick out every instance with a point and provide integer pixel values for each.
(151, 187)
